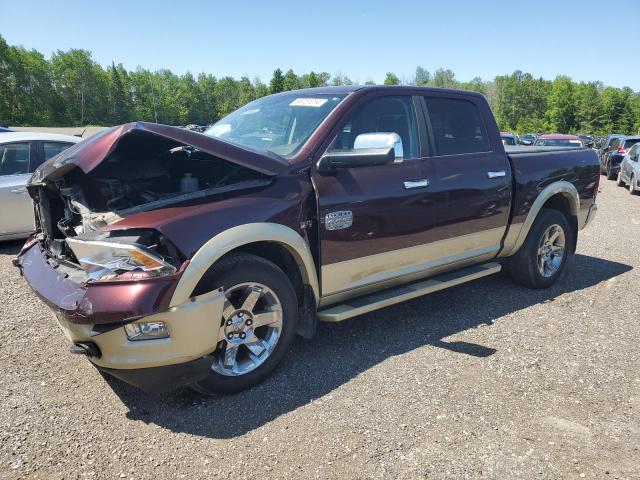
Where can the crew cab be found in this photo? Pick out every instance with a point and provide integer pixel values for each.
(172, 257)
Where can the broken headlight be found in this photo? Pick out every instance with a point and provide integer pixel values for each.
(108, 260)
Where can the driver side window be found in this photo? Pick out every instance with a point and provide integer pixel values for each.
(392, 114)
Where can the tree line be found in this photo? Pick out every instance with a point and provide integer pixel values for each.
(72, 89)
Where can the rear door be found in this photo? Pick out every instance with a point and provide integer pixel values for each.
(375, 221)
(16, 214)
(472, 183)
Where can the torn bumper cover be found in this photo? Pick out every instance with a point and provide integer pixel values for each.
(96, 313)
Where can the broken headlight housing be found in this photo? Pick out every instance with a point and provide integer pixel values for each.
(105, 261)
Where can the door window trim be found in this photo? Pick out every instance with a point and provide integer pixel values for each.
(421, 128)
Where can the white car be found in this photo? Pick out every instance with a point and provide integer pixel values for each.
(629, 173)
(20, 154)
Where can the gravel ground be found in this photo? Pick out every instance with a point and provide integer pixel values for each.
(486, 380)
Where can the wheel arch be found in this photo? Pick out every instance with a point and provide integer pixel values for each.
(268, 240)
(561, 196)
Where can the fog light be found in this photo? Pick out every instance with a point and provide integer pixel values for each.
(146, 331)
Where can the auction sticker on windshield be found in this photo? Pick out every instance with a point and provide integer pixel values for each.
(308, 102)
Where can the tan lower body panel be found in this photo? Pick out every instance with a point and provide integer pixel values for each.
(362, 305)
(193, 327)
(351, 275)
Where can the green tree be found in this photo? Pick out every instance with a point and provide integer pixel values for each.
(391, 79)
(120, 105)
(589, 112)
(444, 79)
(277, 82)
(561, 113)
(422, 76)
(290, 81)
(82, 84)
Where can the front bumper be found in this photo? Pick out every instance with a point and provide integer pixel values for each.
(81, 309)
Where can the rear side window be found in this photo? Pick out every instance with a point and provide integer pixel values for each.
(14, 158)
(457, 126)
(51, 149)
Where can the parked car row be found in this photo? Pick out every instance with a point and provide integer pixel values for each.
(619, 160)
(547, 140)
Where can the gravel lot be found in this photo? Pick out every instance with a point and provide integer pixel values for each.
(487, 380)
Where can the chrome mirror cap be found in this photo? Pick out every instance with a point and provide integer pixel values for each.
(380, 140)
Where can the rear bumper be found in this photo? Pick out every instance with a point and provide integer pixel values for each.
(81, 310)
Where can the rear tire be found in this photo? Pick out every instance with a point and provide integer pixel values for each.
(610, 174)
(260, 329)
(545, 253)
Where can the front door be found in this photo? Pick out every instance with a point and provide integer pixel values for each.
(374, 220)
(16, 213)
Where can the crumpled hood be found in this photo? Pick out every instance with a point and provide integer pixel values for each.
(89, 153)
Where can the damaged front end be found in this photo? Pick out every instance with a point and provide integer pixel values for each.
(82, 194)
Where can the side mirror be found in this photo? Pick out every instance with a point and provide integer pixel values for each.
(380, 140)
(369, 150)
(355, 158)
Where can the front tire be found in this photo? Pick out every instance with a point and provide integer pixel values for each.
(258, 323)
(632, 185)
(619, 181)
(545, 253)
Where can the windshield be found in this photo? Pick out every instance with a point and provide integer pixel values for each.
(558, 143)
(278, 123)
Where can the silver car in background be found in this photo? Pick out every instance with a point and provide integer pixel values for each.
(20, 154)
(629, 173)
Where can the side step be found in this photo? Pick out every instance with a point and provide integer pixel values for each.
(368, 303)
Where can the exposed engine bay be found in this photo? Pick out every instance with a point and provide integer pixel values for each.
(131, 179)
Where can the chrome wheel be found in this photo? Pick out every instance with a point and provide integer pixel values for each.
(250, 329)
(551, 251)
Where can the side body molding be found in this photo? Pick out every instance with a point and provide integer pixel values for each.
(241, 235)
(516, 239)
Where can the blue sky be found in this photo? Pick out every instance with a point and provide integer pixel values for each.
(587, 40)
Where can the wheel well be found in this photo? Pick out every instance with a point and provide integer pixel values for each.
(280, 256)
(562, 204)
(284, 259)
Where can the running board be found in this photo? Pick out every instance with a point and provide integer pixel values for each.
(368, 303)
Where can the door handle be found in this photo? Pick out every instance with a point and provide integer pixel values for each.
(416, 184)
(19, 190)
(498, 174)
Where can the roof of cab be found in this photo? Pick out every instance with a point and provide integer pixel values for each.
(346, 89)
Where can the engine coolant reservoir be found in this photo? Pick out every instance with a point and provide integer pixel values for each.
(188, 183)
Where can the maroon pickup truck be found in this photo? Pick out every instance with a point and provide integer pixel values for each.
(172, 257)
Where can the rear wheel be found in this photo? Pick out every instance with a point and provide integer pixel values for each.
(544, 255)
(610, 174)
(257, 325)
